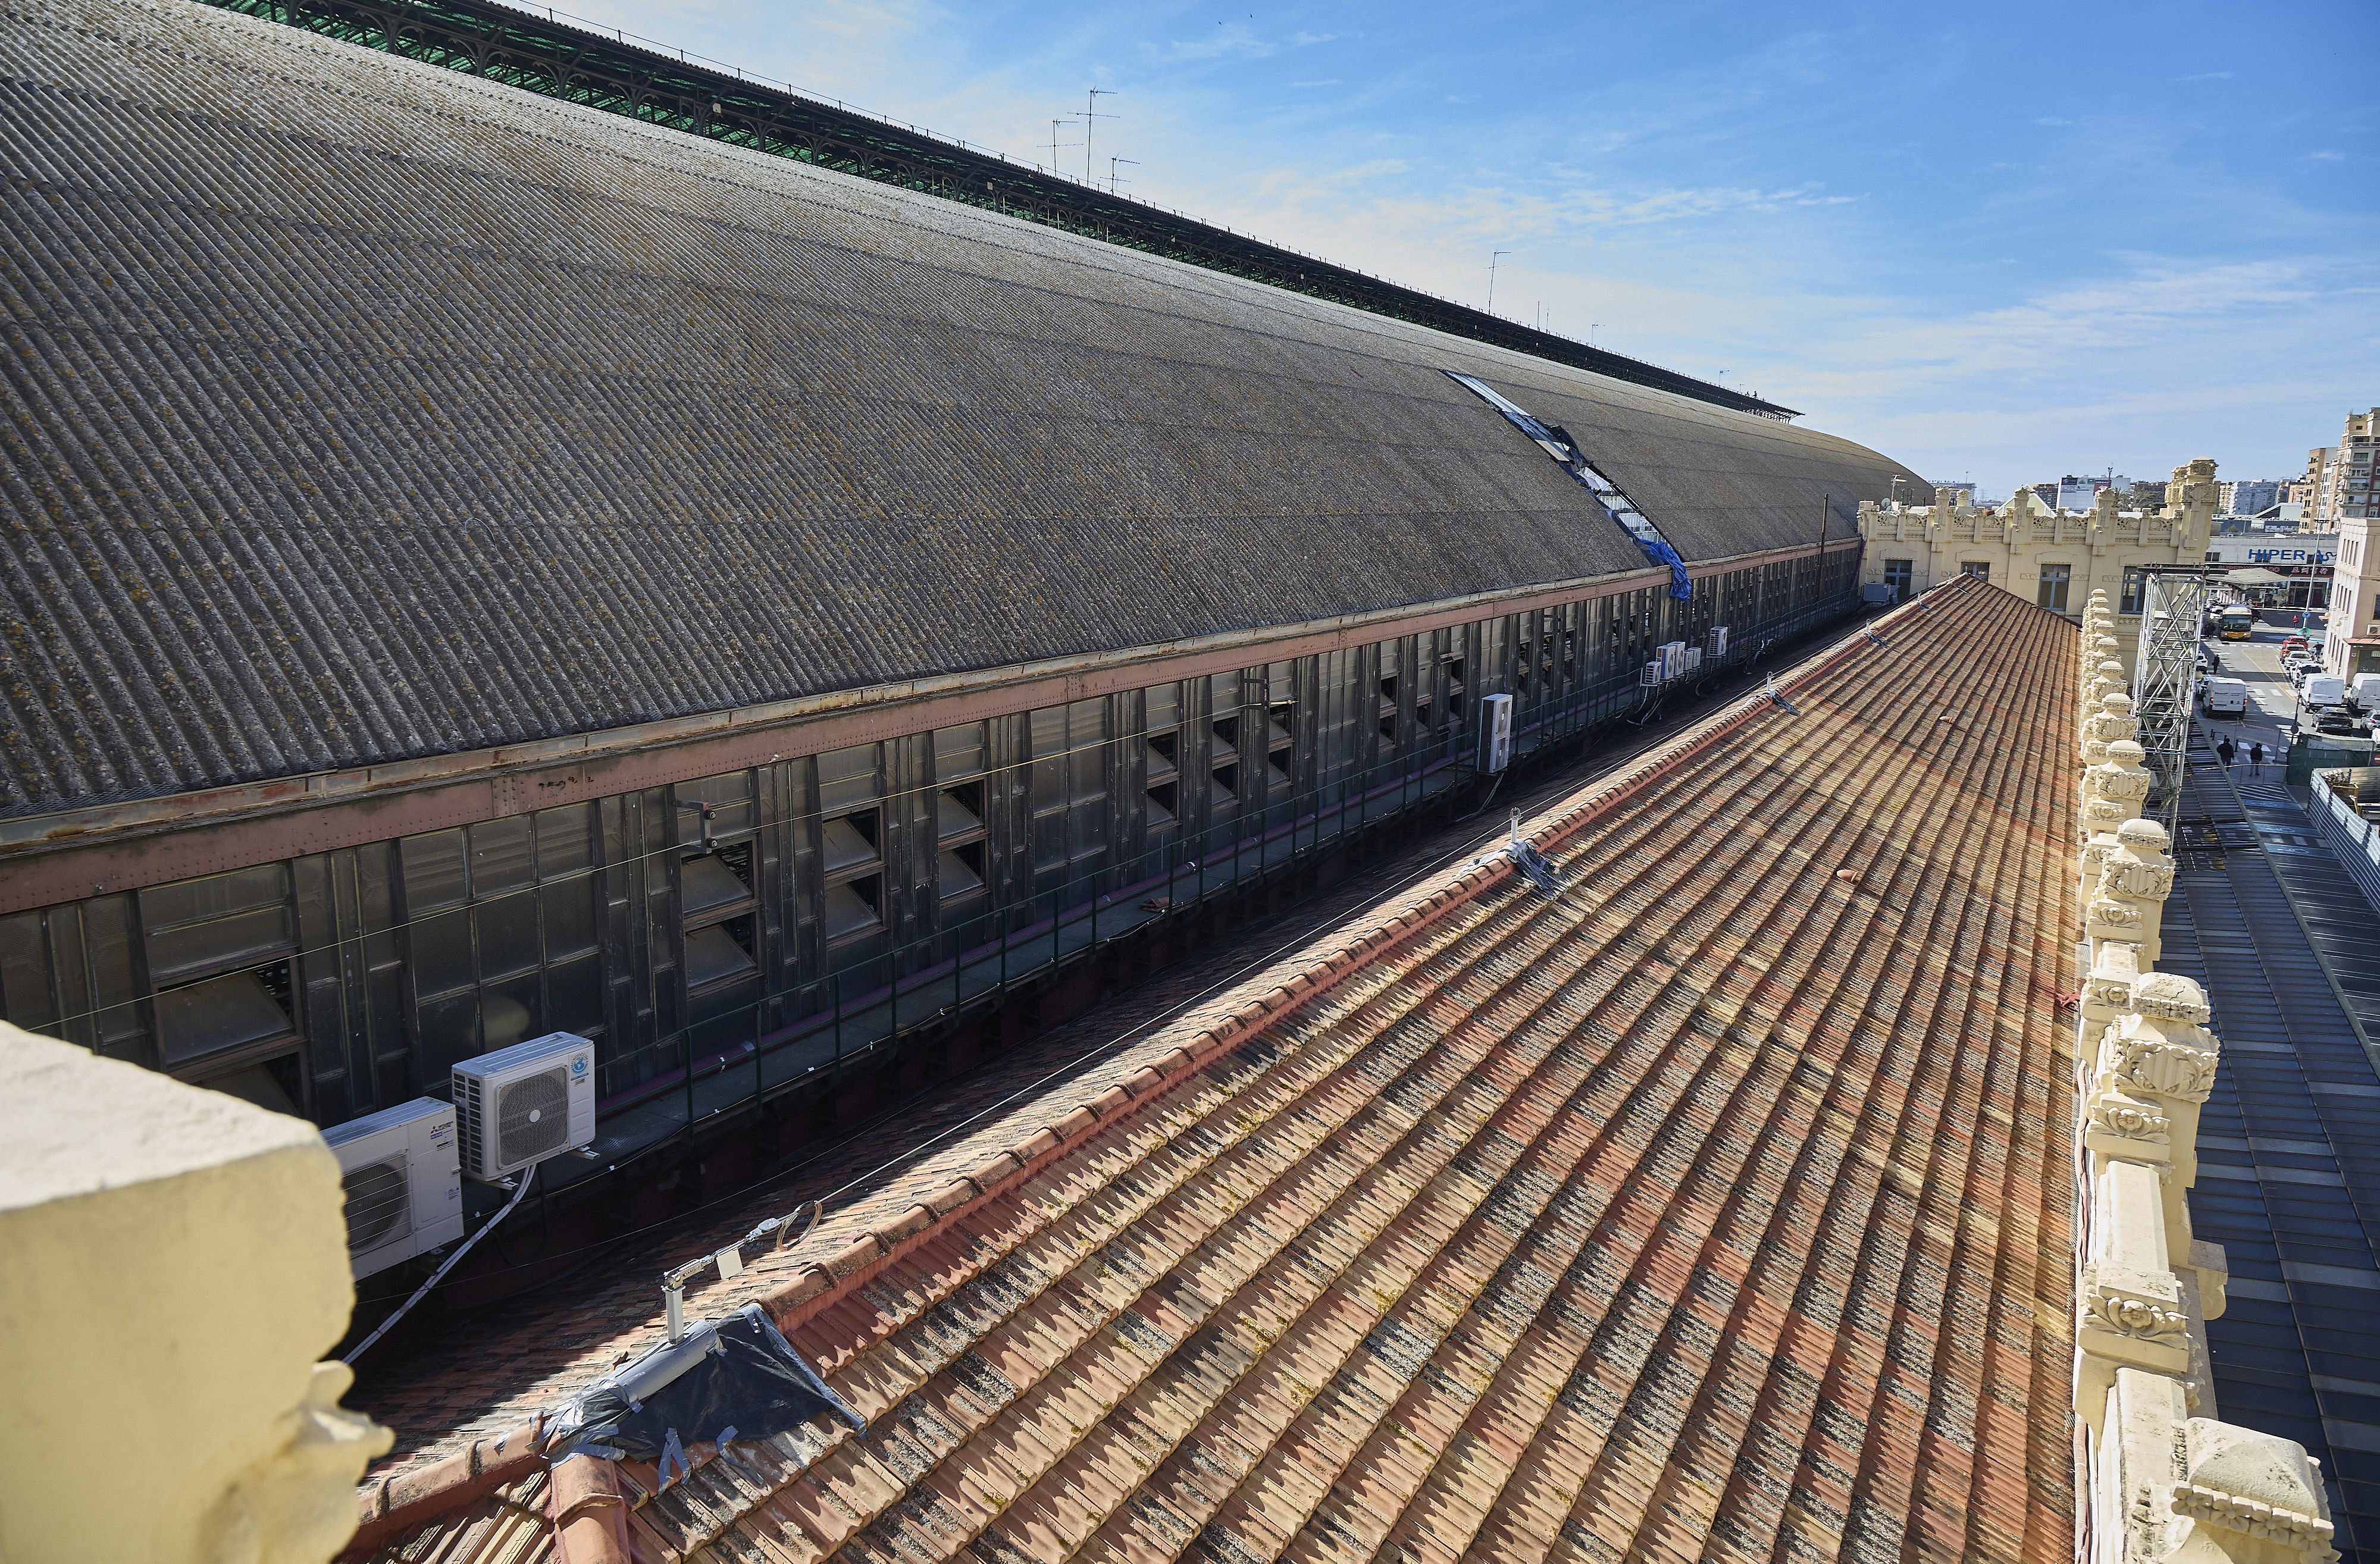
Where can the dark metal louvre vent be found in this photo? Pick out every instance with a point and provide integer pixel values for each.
(469, 1122)
(533, 1117)
(379, 1207)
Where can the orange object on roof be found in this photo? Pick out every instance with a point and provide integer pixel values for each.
(1712, 1205)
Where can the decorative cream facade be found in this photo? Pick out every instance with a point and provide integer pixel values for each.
(173, 1262)
(2054, 558)
(2163, 1479)
(2352, 634)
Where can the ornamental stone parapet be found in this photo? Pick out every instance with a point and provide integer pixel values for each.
(2113, 720)
(2115, 789)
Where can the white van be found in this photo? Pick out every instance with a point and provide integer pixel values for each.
(2364, 692)
(2226, 697)
(2323, 690)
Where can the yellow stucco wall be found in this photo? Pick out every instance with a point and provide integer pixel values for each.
(173, 1262)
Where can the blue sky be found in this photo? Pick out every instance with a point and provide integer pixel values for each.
(2005, 242)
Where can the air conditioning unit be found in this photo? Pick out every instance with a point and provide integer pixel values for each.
(518, 1105)
(1673, 659)
(1693, 659)
(1495, 732)
(405, 1191)
(1718, 643)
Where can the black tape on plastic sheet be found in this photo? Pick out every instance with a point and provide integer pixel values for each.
(752, 1386)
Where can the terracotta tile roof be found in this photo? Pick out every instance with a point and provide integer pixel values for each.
(1717, 1205)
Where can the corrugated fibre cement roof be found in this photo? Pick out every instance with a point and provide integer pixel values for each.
(1717, 1207)
(357, 411)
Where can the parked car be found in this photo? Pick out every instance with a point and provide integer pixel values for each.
(2292, 643)
(2339, 723)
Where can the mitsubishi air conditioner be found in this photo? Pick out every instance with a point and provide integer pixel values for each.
(518, 1105)
(404, 1193)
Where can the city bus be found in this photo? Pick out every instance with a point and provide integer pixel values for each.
(2237, 622)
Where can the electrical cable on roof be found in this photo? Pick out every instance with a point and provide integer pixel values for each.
(1129, 1035)
(491, 1225)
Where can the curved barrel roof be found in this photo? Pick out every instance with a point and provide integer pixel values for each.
(357, 411)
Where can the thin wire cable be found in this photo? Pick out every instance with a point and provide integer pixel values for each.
(819, 813)
(802, 818)
(1173, 1012)
(491, 1225)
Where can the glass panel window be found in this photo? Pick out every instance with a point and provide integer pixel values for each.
(2136, 590)
(961, 872)
(846, 778)
(851, 909)
(850, 842)
(238, 1010)
(714, 956)
(201, 925)
(1898, 574)
(499, 856)
(707, 886)
(1980, 569)
(2054, 579)
(958, 753)
(508, 942)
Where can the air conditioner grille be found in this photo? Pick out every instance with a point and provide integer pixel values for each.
(471, 1130)
(533, 1117)
(379, 1207)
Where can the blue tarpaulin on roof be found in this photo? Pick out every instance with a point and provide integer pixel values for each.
(1557, 442)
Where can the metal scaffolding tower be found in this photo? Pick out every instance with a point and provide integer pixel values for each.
(2163, 677)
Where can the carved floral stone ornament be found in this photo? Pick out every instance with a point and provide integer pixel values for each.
(2174, 1070)
(2136, 1318)
(2109, 992)
(2130, 1121)
(2107, 912)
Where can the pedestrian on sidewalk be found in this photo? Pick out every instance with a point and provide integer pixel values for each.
(2256, 759)
(2224, 752)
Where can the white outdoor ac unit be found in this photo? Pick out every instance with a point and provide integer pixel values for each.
(518, 1105)
(404, 1193)
(1495, 732)
(1719, 642)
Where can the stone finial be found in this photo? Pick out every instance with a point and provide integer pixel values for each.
(2113, 720)
(2114, 790)
(2109, 679)
(2251, 1497)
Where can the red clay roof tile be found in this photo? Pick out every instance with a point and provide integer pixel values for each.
(1714, 1205)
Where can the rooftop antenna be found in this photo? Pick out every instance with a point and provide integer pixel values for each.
(1053, 141)
(1592, 328)
(1115, 180)
(1090, 114)
(1499, 255)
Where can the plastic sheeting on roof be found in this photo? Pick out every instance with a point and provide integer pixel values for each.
(1562, 448)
